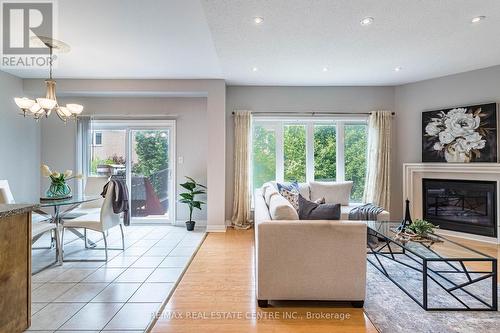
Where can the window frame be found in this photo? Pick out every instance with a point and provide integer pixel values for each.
(278, 125)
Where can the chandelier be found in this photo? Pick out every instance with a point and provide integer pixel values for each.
(44, 106)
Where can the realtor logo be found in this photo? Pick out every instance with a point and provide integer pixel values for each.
(23, 20)
(22, 23)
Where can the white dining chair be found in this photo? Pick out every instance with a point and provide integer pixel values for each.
(100, 222)
(93, 187)
(39, 224)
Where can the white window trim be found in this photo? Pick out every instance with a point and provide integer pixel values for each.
(130, 125)
(339, 122)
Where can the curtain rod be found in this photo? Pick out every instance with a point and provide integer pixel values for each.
(312, 113)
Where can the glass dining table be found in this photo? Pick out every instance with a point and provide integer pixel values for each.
(62, 208)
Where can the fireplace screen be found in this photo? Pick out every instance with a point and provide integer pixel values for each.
(461, 205)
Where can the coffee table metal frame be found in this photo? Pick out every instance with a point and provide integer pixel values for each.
(393, 250)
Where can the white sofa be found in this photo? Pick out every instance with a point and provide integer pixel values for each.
(307, 260)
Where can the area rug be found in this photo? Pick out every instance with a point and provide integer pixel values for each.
(391, 310)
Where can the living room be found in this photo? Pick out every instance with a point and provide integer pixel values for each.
(227, 125)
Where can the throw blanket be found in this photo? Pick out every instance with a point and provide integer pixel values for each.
(366, 212)
(120, 199)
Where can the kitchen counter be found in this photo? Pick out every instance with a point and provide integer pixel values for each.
(15, 209)
(15, 267)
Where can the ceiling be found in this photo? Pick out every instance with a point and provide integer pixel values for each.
(179, 39)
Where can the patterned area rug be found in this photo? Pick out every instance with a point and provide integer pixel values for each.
(391, 310)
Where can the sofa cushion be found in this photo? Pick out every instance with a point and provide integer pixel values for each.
(305, 191)
(309, 210)
(333, 192)
(281, 209)
(268, 190)
(288, 186)
(291, 196)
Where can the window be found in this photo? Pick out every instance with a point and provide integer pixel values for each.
(310, 149)
(325, 153)
(294, 150)
(355, 148)
(264, 154)
(97, 139)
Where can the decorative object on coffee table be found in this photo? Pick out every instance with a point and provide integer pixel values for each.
(58, 188)
(460, 135)
(407, 219)
(418, 231)
(193, 189)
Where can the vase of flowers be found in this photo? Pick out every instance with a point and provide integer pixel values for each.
(58, 188)
(458, 134)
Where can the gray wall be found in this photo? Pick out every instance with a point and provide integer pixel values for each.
(468, 88)
(59, 141)
(19, 143)
(297, 99)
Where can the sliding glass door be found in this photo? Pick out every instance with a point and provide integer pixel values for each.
(142, 154)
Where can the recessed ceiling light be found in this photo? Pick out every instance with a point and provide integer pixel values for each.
(367, 20)
(258, 19)
(397, 69)
(325, 69)
(478, 19)
(254, 69)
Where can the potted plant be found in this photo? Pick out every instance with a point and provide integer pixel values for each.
(189, 198)
(422, 228)
(58, 189)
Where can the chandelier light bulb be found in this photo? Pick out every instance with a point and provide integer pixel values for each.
(75, 109)
(36, 108)
(46, 103)
(24, 103)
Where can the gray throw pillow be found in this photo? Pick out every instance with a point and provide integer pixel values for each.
(309, 210)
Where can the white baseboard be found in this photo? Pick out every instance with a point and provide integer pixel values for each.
(199, 223)
(463, 235)
(216, 228)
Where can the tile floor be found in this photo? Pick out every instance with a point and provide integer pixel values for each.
(118, 296)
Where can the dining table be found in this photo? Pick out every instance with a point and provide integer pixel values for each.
(63, 209)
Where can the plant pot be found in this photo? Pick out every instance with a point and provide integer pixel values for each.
(190, 225)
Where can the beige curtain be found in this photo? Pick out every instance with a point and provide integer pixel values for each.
(378, 181)
(241, 202)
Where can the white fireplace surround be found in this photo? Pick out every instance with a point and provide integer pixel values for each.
(413, 174)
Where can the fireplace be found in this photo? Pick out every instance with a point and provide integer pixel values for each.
(461, 205)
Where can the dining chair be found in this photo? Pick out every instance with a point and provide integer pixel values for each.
(100, 222)
(39, 224)
(93, 187)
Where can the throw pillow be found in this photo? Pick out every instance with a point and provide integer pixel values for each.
(292, 197)
(309, 210)
(320, 201)
(288, 186)
(333, 192)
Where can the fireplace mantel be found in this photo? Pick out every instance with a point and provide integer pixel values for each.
(413, 174)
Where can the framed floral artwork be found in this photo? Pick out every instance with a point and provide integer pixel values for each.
(460, 135)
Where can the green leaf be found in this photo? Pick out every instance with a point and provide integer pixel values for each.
(197, 204)
(188, 196)
(188, 186)
(199, 192)
(186, 201)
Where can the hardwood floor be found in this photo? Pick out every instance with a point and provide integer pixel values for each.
(217, 294)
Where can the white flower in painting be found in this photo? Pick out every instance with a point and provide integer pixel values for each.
(470, 142)
(68, 173)
(433, 128)
(460, 123)
(438, 146)
(446, 137)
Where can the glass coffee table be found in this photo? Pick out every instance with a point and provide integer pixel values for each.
(439, 274)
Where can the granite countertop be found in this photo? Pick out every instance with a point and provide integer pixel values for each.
(15, 209)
